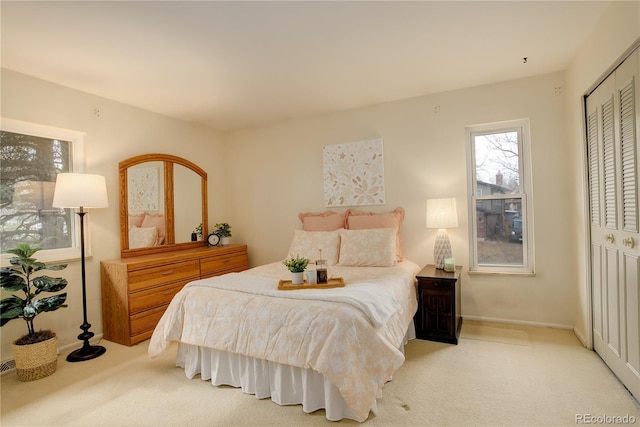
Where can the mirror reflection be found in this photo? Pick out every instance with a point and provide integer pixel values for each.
(162, 202)
(187, 203)
(145, 195)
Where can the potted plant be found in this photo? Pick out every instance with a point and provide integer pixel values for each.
(197, 233)
(224, 231)
(296, 266)
(35, 353)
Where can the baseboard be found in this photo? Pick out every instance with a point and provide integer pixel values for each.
(519, 322)
(583, 340)
(8, 366)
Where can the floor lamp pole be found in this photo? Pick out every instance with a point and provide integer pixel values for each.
(87, 352)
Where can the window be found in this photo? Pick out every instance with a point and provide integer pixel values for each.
(500, 198)
(31, 156)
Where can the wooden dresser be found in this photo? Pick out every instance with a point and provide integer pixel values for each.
(136, 291)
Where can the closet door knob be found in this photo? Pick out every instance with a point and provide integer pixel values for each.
(629, 242)
(609, 238)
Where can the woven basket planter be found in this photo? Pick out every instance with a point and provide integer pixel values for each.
(35, 361)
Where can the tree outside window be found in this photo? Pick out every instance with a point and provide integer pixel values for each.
(28, 168)
(501, 241)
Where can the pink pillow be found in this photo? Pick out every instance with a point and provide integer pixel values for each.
(157, 221)
(357, 220)
(325, 221)
(136, 220)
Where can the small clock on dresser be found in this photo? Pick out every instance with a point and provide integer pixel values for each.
(213, 239)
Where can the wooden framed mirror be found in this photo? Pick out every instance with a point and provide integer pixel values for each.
(163, 200)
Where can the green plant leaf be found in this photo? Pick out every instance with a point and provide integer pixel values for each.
(10, 308)
(37, 266)
(23, 250)
(49, 284)
(11, 282)
(56, 267)
(50, 303)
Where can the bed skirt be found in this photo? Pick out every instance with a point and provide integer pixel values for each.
(285, 385)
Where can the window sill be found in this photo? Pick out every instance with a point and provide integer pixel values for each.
(523, 273)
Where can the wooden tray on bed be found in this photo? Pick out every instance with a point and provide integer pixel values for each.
(334, 282)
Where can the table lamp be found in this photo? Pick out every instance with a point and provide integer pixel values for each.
(441, 214)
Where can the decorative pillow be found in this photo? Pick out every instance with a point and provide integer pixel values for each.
(357, 220)
(142, 237)
(374, 247)
(155, 220)
(136, 219)
(325, 221)
(309, 243)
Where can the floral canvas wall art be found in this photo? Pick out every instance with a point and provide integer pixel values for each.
(353, 173)
(143, 189)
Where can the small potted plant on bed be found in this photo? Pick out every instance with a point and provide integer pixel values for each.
(224, 231)
(35, 353)
(296, 266)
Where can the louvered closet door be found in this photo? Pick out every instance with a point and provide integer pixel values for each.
(613, 120)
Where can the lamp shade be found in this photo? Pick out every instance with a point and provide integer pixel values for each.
(80, 190)
(442, 213)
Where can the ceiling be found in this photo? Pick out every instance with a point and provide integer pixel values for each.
(237, 64)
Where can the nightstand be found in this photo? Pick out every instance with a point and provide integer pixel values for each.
(438, 316)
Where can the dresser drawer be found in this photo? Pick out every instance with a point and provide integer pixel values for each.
(154, 297)
(216, 265)
(146, 320)
(167, 273)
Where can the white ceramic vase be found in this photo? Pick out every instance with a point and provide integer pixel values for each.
(297, 278)
(224, 241)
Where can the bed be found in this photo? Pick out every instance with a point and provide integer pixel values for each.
(321, 348)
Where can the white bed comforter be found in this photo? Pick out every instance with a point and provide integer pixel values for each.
(351, 337)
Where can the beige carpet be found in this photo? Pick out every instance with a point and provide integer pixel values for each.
(546, 378)
(488, 333)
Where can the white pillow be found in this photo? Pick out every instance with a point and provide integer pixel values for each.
(374, 247)
(142, 237)
(309, 243)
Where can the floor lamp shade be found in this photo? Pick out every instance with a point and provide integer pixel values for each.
(79, 190)
(442, 214)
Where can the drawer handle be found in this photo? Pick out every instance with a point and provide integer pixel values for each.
(168, 272)
(168, 292)
(225, 261)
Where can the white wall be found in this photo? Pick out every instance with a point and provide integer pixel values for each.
(617, 31)
(119, 132)
(260, 179)
(274, 172)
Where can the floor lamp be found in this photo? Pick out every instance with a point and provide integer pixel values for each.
(441, 214)
(79, 190)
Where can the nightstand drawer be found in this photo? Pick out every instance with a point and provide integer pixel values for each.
(440, 285)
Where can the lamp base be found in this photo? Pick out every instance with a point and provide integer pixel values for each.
(442, 248)
(86, 353)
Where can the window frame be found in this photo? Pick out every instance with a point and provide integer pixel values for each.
(77, 165)
(521, 126)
